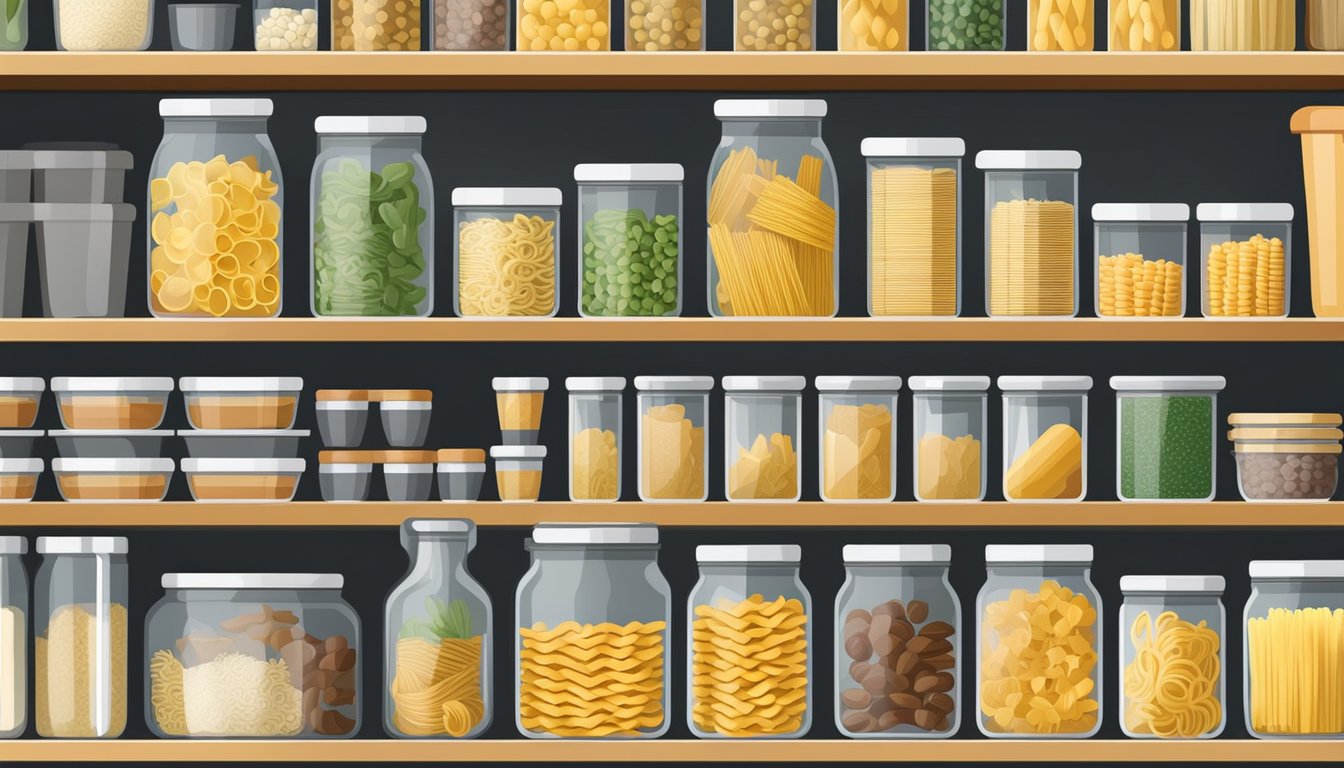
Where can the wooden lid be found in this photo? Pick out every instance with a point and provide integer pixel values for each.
(1284, 419)
(347, 457)
(345, 395)
(404, 457)
(400, 395)
(1318, 120)
(462, 455)
(1313, 448)
(1315, 434)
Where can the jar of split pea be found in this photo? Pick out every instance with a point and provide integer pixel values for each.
(775, 25)
(375, 25)
(665, 25)
(564, 25)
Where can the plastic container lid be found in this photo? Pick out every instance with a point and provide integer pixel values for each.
(764, 383)
(216, 107)
(241, 384)
(442, 526)
(897, 553)
(523, 197)
(343, 395)
(1168, 383)
(83, 212)
(113, 433)
(890, 146)
(252, 581)
(1209, 584)
(401, 395)
(13, 545)
(57, 159)
(370, 125)
(1140, 212)
(1045, 383)
(749, 553)
(244, 466)
(1038, 553)
(22, 433)
(1279, 569)
(948, 383)
(407, 457)
(517, 451)
(82, 545)
(674, 383)
(22, 384)
(1251, 212)
(1317, 120)
(227, 432)
(346, 457)
(595, 383)
(20, 467)
(857, 383)
(1285, 433)
(1284, 419)
(505, 384)
(114, 466)
(16, 159)
(1028, 160)
(595, 533)
(629, 172)
(461, 455)
(767, 108)
(17, 212)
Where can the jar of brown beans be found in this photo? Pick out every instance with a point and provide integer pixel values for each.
(471, 25)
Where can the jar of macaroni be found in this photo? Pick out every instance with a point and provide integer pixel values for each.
(1325, 25)
(673, 450)
(951, 415)
(1045, 437)
(1243, 25)
(1173, 658)
(1140, 259)
(564, 25)
(1146, 25)
(14, 613)
(630, 239)
(1166, 437)
(505, 256)
(775, 25)
(747, 630)
(595, 437)
(102, 25)
(1246, 259)
(1040, 637)
(762, 427)
(593, 601)
(664, 25)
(873, 25)
(856, 442)
(897, 643)
(1059, 25)
(375, 25)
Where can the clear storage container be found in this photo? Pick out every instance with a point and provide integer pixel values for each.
(519, 401)
(577, 25)
(1039, 619)
(1045, 437)
(375, 25)
(856, 425)
(284, 25)
(595, 437)
(897, 643)
(1059, 25)
(14, 613)
(243, 480)
(518, 471)
(215, 205)
(773, 237)
(1173, 658)
(1140, 259)
(475, 25)
(664, 25)
(1243, 25)
(1325, 25)
(113, 480)
(775, 25)
(748, 628)
(14, 33)
(872, 25)
(18, 443)
(241, 402)
(762, 428)
(91, 402)
(1246, 258)
(505, 253)
(1165, 432)
(252, 655)
(630, 239)
(951, 415)
(18, 483)
(957, 25)
(594, 597)
(20, 399)
(673, 451)
(103, 25)
(80, 643)
(1148, 25)
(1287, 457)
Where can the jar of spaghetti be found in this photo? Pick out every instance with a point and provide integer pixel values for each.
(673, 450)
(630, 239)
(505, 259)
(762, 437)
(856, 422)
(1243, 25)
(595, 437)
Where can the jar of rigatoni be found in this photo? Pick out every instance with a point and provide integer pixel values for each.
(505, 261)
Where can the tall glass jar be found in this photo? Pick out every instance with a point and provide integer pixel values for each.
(762, 430)
(474, 25)
(951, 415)
(748, 622)
(215, 202)
(80, 637)
(1045, 437)
(593, 593)
(897, 643)
(595, 437)
(14, 33)
(1243, 25)
(375, 25)
(14, 614)
(856, 437)
(437, 681)
(773, 235)
(673, 451)
(1039, 615)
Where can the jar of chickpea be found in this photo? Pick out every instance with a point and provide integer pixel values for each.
(775, 25)
(564, 25)
(664, 25)
(375, 25)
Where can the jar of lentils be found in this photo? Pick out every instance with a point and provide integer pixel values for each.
(471, 25)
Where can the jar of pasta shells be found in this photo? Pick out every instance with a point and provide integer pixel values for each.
(215, 205)
(749, 643)
(594, 615)
(505, 254)
(375, 25)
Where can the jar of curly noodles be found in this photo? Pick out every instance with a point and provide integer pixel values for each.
(505, 259)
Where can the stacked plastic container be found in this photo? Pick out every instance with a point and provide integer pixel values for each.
(111, 446)
(1286, 457)
(20, 399)
(242, 445)
(408, 467)
(519, 457)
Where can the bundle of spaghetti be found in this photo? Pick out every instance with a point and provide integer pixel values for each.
(506, 268)
(737, 185)
(1031, 258)
(592, 680)
(749, 667)
(1296, 663)
(787, 208)
(437, 688)
(233, 694)
(1172, 687)
(913, 242)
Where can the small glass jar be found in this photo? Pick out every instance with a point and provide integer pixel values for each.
(1166, 438)
(1256, 239)
(1149, 25)
(373, 232)
(284, 25)
(519, 402)
(505, 259)
(375, 25)
(1294, 628)
(80, 629)
(630, 239)
(762, 429)
(1243, 25)
(437, 681)
(103, 25)
(1059, 25)
(1017, 648)
(1173, 657)
(14, 32)
(1325, 25)
(983, 27)
(14, 628)
(580, 25)
(897, 643)
(1045, 437)
(518, 471)
(873, 26)
(856, 437)
(664, 25)
(1140, 259)
(595, 437)
(673, 449)
(951, 415)
(751, 591)
(474, 25)
(1287, 458)
(775, 25)
(593, 592)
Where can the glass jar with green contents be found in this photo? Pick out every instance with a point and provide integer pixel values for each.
(373, 235)
(1165, 437)
(14, 33)
(965, 25)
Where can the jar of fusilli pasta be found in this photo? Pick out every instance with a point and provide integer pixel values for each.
(505, 259)
(594, 615)
(252, 655)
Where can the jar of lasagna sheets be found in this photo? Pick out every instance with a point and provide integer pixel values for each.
(673, 453)
(504, 251)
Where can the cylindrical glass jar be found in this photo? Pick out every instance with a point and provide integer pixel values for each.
(375, 25)
(1039, 616)
(1243, 25)
(373, 232)
(856, 437)
(951, 415)
(774, 25)
(103, 25)
(897, 638)
(1059, 25)
(595, 437)
(437, 681)
(1148, 25)
(569, 25)
(1045, 437)
(872, 25)
(762, 430)
(1245, 259)
(14, 628)
(673, 450)
(593, 593)
(518, 471)
(284, 25)
(1173, 657)
(1325, 25)
(80, 637)
(772, 239)
(664, 25)
(14, 32)
(505, 259)
(215, 201)
(473, 25)
(957, 25)
(1166, 437)
(1140, 259)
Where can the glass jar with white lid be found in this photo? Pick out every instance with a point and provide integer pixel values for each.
(951, 433)
(14, 618)
(506, 257)
(1245, 259)
(1045, 437)
(1166, 437)
(856, 437)
(762, 427)
(1140, 259)
(595, 437)
(673, 431)
(103, 25)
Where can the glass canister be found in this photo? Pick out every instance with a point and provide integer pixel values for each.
(14, 33)
(951, 415)
(1173, 660)
(1325, 25)
(474, 25)
(595, 437)
(1140, 259)
(1165, 428)
(1246, 258)
(505, 256)
(897, 656)
(594, 598)
(1039, 616)
(747, 629)
(1059, 25)
(14, 614)
(375, 25)
(856, 424)
(664, 25)
(103, 25)
(762, 429)
(1045, 437)
(774, 25)
(1243, 25)
(872, 25)
(215, 201)
(564, 25)
(772, 237)
(438, 680)
(1294, 629)
(80, 637)
(1148, 25)
(284, 25)
(958, 25)
(673, 451)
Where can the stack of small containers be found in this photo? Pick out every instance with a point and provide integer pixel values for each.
(20, 399)
(518, 461)
(111, 447)
(346, 473)
(242, 445)
(1286, 457)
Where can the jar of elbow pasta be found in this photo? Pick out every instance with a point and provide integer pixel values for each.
(594, 615)
(673, 454)
(505, 257)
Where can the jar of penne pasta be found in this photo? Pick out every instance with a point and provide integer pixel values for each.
(630, 239)
(505, 256)
(594, 615)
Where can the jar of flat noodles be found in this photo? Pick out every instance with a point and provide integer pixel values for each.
(1173, 661)
(673, 451)
(1038, 629)
(630, 239)
(856, 423)
(951, 415)
(14, 618)
(595, 437)
(749, 640)
(594, 615)
(772, 230)
(437, 638)
(80, 625)
(1294, 629)
(762, 432)
(215, 205)
(505, 259)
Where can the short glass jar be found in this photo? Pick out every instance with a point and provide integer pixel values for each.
(1045, 437)
(673, 444)
(14, 613)
(375, 25)
(577, 25)
(1140, 259)
(762, 429)
(595, 437)
(103, 25)
(1059, 25)
(284, 25)
(1256, 239)
(951, 433)
(470, 25)
(506, 259)
(1148, 25)
(856, 437)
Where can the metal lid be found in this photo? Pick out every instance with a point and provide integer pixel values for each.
(370, 125)
(82, 545)
(1140, 212)
(506, 384)
(1249, 212)
(244, 466)
(1038, 553)
(857, 383)
(769, 108)
(891, 146)
(1028, 160)
(749, 553)
(517, 451)
(948, 383)
(22, 384)
(252, 581)
(1045, 383)
(595, 533)
(1208, 584)
(1168, 383)
(522, 197)
(13, 545)
(595, 383)
(898, 553)
(450, 525)
(111, 384)
(674, 383)
(241, 383)
(587, 172)
(1284, 420)
(1283, 569)
(764, 383)
(216, 107)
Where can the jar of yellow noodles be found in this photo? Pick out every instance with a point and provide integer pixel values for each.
(594, 616)
(856, 442)
(215, 205)
(762, 434)
(673, 455)
(506, 260)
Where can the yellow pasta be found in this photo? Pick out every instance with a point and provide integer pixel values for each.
(233, 694)
(1031, 258)
(1128, 285)
(437, 688)
(1296, 664)
(913, 243)
(595, 465)
(506, 268)
(1245, 279)
(768, 471)
(672, 453)
(1173, 685)
(69, 673)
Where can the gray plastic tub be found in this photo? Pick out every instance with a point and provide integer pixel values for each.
(202, 26)
(83, 256)
(110, 443)
(80, 176)
(15, 220)
(16, 176)
(243, 444)
(18, 443)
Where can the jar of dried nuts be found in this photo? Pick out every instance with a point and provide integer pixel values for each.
(375, 25)
(471, 25)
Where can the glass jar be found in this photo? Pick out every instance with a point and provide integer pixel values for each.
(951, 415)
(871, 25)
(1286, 457)
(1294, 629)
(215, 201)
(284, 25)
(1059, 25)
(13, 637)
(437, 682)
(375, 25)
(775, 25)
(504, 251)
(673, 451)
(762, 429)
(593, 592)
(103, 25)
(1325, 25)
(1031, 232)
(80, 647)
(630, 239)
(475, 25)
(1045, 437)
(1149, 25)
(1140, 259)
(664, 25)
(570, 25)
(897, 660)
(754, 592)
(14, 33)
(595, 437)
(1166, 439)
(773, 237)
(1173, 658)
(1256, 238)
(856, 429)
(1017, 648)
(1243, 25)
(983, 27)
(518, 471)
(914, 226)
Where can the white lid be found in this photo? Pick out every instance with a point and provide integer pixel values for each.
(763, 108)
(674, 383)
(857, 383)
(1038, 553)
(948, 383)
(595, 533)
(216, 107)
(82, 545)
(13, 545)
(764, 383)
(1168, 383)
(17, 212)
(20, 467)
(505, 384)
(749, 553)
(22, 384)
(252, 581)
(897, 553)
(20, 433)
(1293, 569)
(116, 466)
(370, 124)
(886, 146)
(109, 433)
(1140, 212)
(111, 384)
(16, 159)
(442, 526)
(523, 197)
(1244, 212)
(595, 383)
(517, 451)
(1028, 160)
(629, 172)
(1045, 383)
(68, 159)
(83, 212)
(1211, 584)
(240, 466)
(241, 383)
(241, 432)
